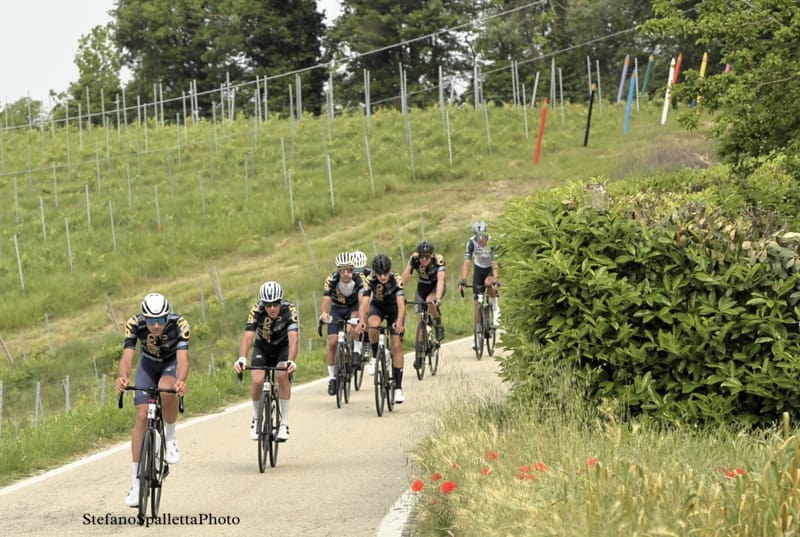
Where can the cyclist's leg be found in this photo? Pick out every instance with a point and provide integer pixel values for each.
(256, 384)
(353, 314)
(284, 389)
(491, 296)
(145, 377)
(396, 343)
(169, 408)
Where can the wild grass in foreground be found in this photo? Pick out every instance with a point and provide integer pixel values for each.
(490, 469)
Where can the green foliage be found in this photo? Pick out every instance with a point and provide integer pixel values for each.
(754, 105)
(657, 303)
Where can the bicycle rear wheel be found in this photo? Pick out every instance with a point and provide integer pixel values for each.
(478, 335)
(145, 473)
(348, 374)
(262, 429)
(274, 421)
(380, 379)
(358, 373)
(491, 336)
(420, 349)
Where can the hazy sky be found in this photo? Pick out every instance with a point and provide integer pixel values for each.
(39, 39)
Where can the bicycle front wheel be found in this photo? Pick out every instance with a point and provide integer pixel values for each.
(433, 359)
(159, 473)
(358, 373)
(262, 430)
(145, 472)
(380, 379)
(339, 364)
(420, 350)
(274, 420)
(478, 335)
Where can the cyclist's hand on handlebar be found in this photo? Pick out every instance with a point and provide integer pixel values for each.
(360, 327)
(120, 384)
(180, 387)
(291, 366)
(495, 283)
(240, 364)
(398, 327)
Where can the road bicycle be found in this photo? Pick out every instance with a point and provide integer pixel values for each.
(153, 467)
(383, 379)
(484, 332)
(346, 371)
(268, 416)
(426, 346)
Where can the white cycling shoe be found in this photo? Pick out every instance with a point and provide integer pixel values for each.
(173, 455)
(132, 498)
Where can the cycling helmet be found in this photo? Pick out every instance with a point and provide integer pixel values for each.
(270, 292)
(425, 248)
(359, 259)
(344, 259)
(381, 264)
(480, 228)
(155, 305)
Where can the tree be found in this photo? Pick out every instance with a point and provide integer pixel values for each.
(754, 106)
(381, 35)
(179, 42)
(99, 62)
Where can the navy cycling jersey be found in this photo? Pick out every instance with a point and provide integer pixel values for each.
(384, 293)
(343, 294)
(161, 348)
(272, 331)
(430, 274)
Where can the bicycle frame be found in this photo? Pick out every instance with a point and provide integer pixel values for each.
(269, 416)
(383, 379)
(483, 331)
(426, 346)
(153, 468)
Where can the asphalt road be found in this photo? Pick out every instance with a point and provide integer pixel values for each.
(338, 475)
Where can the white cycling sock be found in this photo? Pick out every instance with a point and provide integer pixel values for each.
(169, 431)
(357, 346)
(284, 403)
(332, 371)
(255, 408)
(134, 473)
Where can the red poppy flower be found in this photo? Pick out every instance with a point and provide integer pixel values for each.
(730, 474)
(591, 461)
(541, 467)
(490, 455)
(455, 465)
(448, 487)
(525, 469)
(530, 476)
(417, 485)
(436, 476)
(740, 471)
(486, 471)
(521, 475)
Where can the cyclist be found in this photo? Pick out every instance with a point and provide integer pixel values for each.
(273, 325)
(432, 280)
(360, 262)
(385, 300)
(486, 267)
(164, 338)
(341, 295)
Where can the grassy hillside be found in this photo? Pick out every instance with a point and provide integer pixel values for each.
(202, 213)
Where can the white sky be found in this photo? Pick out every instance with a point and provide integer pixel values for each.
(39, 39)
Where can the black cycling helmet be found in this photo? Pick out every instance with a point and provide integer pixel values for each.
(381, 264)
(425, 248)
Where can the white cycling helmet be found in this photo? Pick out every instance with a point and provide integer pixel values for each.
(344, 259)
(480, 228)
(155, 305)
(270, 292)
(359, 259)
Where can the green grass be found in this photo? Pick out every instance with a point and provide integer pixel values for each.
(238, 225)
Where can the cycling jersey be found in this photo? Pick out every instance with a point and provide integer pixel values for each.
(483, 255)
(384, 293)
(428, 275)
(272, 331)
(343, 294)
(163, 347)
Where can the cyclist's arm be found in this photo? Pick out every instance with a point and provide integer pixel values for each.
(325, 307)
(247, 342)
(182, 357)
(465, 269)
(401, 310)
(124, 369)
(495, 268)
(293, 337)
(440, 281)
(407, 272)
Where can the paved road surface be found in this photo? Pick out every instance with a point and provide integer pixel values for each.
(337, 476)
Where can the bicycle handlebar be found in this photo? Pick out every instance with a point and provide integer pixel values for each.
(240, 376)
(496, 283)
(150, 391)
(353, 320)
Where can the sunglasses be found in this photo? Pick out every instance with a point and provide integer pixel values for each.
(156, 320)
(425, 256)
(482, 237)
(346, 269)
(272, 304)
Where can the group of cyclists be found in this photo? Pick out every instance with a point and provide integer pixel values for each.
(361, 293)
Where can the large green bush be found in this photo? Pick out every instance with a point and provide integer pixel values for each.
(674, 299)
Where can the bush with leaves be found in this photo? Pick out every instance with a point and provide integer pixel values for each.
(662, 302)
